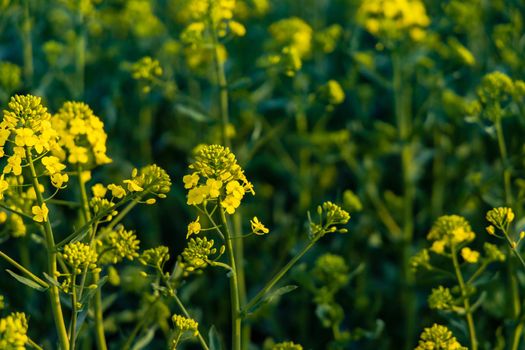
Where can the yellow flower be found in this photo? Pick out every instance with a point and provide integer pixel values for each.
(469, 255)
(438, 247)
(25, 137)
(133, 186)
(40, 213)
(53, 164)
(190, 181)
(99, 190)
(59, 179)
(235, 189)
(117, 191)
(258, 227)
(230, 203)
(4, 185)
(213, 187)
(194, 227)
(197, 195)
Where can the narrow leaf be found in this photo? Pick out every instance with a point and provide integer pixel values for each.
(28, 282)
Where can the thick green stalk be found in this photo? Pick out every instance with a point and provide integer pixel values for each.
(27, 45)
(466, 302)
(234, 285)
(511, 266)
(99, 318)
(80, 54)
(402, 101)
(277, 277)
(238, 248)
(223, 86)
(54, 293)
(73, 324)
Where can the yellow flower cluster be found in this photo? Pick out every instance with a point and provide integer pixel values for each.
(440, 299)
(185, 324)
(292, 40)
(500, 217)
(330, 216)
(80, 255)
(147, 71)
(118, 245)
(81, 135)
(438, 337)
(217, 177)
(26, 124)
(13, 332)
(215, 13)
(496, 91)
(394, 19)
(146, 68)
(197, 254)
(155, 257)
(332, 271)
(449, 230)
(287, 345)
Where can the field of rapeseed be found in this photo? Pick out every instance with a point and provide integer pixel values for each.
(262, 174)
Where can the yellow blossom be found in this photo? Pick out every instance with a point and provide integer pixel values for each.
(40, 213)
(190, 181)
(133, 186)
(469, 255)
(194, 227)
(117, 191)
(213, 186)
(258, 227)
(99, 190)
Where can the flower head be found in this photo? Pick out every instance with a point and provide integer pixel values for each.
(13, 332)
(450, 229)
(82, 135)
(438, 337)
(80, 255)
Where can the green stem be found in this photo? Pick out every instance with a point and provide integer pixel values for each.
(511, 267)
(186, 314)
(277, 277)
(223, 86)
(234, 286)
(73, 324)
(24, 270)
(54, 293)
(466, 302)
(138, 326)
(99, 318)
(506, 170)
(80, 54)
(402, 101)
(27, 45)
(33, 344)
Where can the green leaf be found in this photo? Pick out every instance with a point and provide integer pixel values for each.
(192, 113)
(145, 340)
(28, 282)
(214, 339)
(52, 280)
(270, 296)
